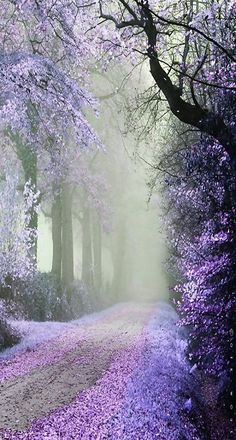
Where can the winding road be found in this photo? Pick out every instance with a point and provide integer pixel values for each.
(72, 373)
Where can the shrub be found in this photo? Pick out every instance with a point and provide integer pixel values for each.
(43, 298)
(8, 336)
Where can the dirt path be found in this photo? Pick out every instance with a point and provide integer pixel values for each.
(31, 396)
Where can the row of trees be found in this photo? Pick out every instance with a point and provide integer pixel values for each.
(199, 189)
(58, 159)
(46, 63)
(190, 47)
(79, 195)
(190, 50)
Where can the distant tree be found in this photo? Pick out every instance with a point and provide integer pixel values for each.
(92, 209)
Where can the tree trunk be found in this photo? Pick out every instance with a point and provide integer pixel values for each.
(87, 261)
(97, 252)
(118, 259)
(28, 158)
(67, 236)
(57, 234)
(206, 121)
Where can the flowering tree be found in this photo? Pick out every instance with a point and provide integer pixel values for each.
(41, 104)
(190, 50)
(40, 98)
(201, 224)
(183, 44)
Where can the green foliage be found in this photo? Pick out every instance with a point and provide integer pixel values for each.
(43, 298)
(8, 336)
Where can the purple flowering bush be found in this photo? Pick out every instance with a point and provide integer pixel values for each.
(201, 229)
(200, 186)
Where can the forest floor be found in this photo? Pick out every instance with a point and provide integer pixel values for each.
(118, 374)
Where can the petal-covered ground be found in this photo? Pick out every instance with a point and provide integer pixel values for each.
(120, 375)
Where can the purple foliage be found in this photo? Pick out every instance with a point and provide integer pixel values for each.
(201, 229)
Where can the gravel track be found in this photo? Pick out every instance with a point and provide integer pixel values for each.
(56, 383)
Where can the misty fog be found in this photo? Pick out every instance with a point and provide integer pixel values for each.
(136, 229)
(133, 239)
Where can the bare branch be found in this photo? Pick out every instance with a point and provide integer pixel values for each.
(196, 30)
(122, 24)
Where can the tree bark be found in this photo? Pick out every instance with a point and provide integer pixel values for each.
(97, 252)
(207, 121)
(193, 114)
(118, 259)
(57, 234)
(28, 158)
(87, 261)
(67, 236)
